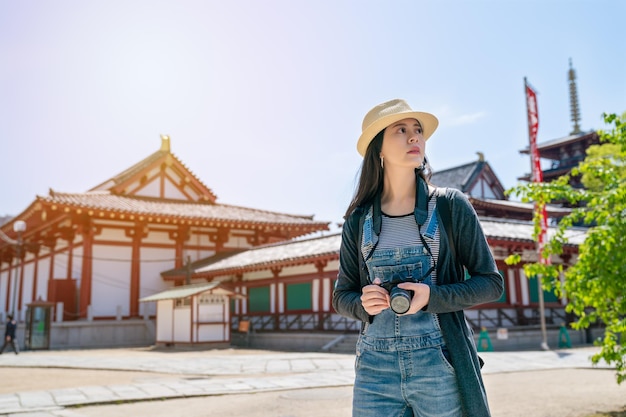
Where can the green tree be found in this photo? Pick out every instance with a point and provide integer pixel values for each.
(595, 286)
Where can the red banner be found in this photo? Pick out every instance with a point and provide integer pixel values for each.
(537, 173)
(533, 127)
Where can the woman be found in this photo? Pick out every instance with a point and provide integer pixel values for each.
(403, 278)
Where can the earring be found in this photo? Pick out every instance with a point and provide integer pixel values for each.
(382, 162)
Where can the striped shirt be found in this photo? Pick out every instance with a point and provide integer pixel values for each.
(402, 231)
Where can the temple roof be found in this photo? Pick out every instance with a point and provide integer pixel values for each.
(104, 200)
(131, 171)
(456, 177)
(522, 231)
(293, 252)
(133, 179)
(545, 147)
(475, 179)
(510, 207)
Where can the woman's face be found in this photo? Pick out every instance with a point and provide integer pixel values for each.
(403, 144)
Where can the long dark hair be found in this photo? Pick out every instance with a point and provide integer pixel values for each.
(371, 179)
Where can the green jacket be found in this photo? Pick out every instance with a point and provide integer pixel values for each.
(448, 298)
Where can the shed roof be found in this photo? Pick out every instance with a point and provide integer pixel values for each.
(188, 291)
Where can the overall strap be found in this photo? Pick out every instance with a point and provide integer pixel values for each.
(443, 206)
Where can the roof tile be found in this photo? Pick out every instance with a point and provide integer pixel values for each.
(104, 200)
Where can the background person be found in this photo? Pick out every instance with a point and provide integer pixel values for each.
(9, 334)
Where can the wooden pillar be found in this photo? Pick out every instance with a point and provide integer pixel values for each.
(21, 274)
(226, 324)
(193, 304)
(70, 259)
(135, 277)
(138, 233)
(276, 272)
(35, 252)
(86, 275)
(69, 236)
(50, 242)
(237, 287)
(179, 237)
(9, 273)
(320, 265)
(518, 286)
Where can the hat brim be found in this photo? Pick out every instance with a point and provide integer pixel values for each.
(428, 121)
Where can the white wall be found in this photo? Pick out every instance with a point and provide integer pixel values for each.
(153, 262)
(110, 286)
(182, 320)
(4, 282)
(152, 189)
(172, 191)
(27, 285)
(113, 234)
(212, 308)
(42, 279)
(212, 333)
(165, 320)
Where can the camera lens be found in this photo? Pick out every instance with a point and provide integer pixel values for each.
(400, 300)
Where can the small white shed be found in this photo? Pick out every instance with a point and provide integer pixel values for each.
(193, 314)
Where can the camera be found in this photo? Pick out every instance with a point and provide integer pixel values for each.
(399, 298)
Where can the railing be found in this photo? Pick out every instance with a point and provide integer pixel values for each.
(516, 317)
(298, 321)
(333, 322)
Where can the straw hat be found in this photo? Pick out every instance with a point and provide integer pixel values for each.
(388, 113)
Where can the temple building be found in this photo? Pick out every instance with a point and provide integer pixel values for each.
(96, 253)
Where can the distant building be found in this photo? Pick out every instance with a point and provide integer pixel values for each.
(564, 154)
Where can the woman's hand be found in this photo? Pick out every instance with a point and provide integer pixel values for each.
(374, 298)
(421, 295)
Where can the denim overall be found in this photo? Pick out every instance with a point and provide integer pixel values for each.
(401, 369)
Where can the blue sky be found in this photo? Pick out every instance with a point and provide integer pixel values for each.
(263, 100)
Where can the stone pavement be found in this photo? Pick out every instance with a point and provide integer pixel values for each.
(219, 372)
